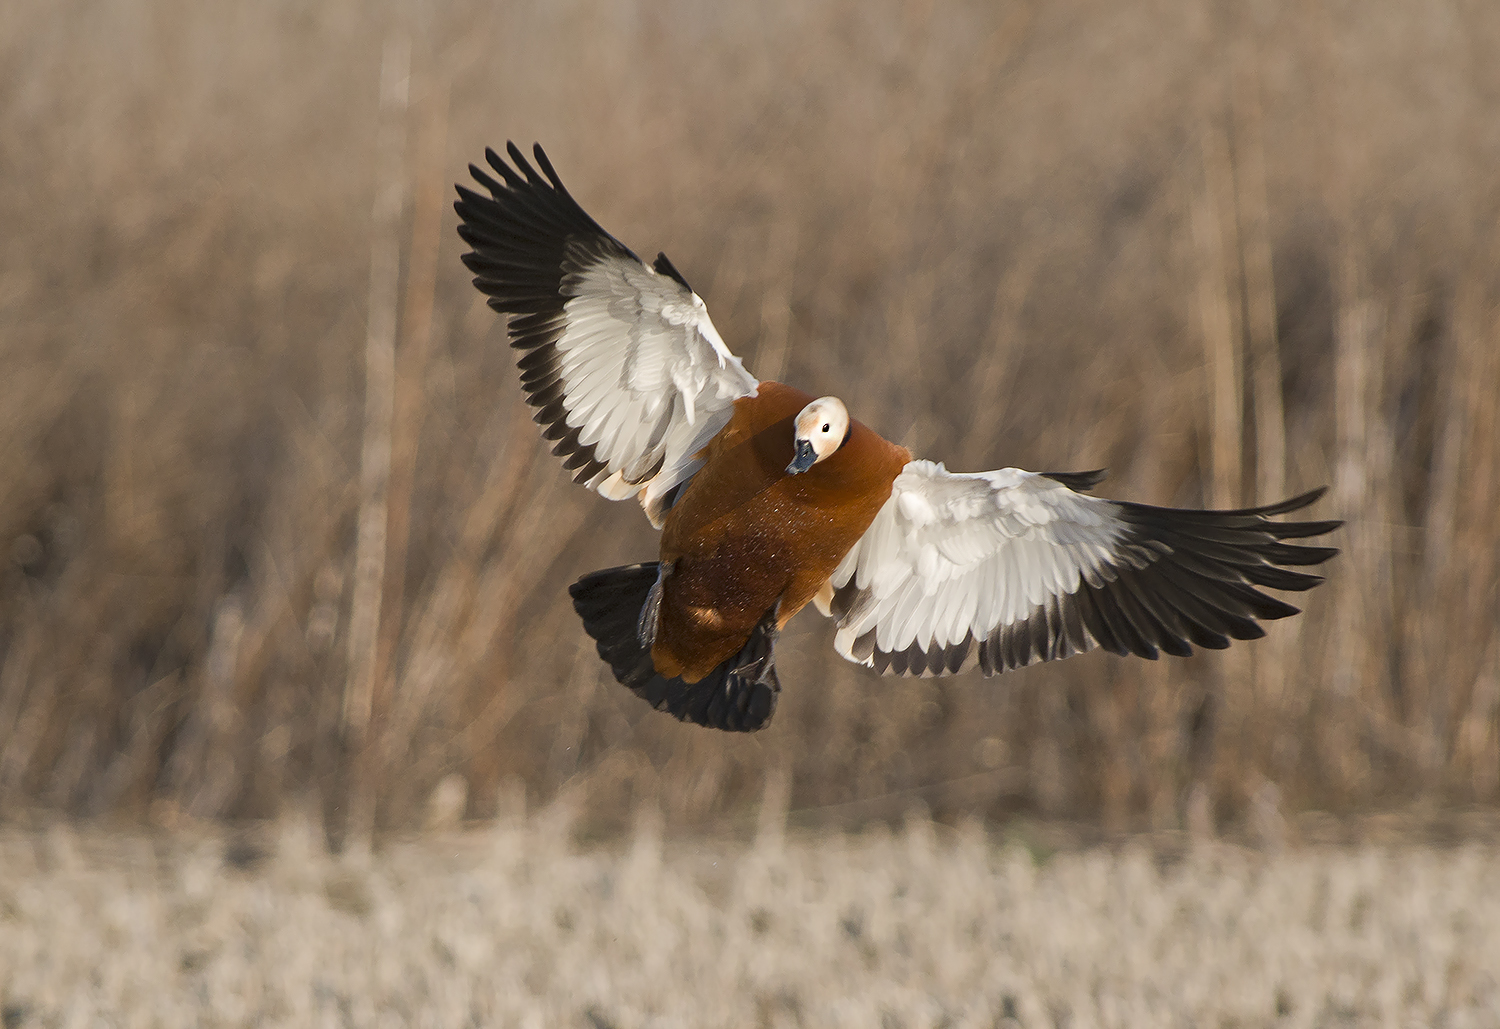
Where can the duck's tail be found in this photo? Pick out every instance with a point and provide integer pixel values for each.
(737, 696)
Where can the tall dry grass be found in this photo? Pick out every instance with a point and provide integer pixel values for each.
(277, 521)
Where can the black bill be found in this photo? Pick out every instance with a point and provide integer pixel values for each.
(804, 459)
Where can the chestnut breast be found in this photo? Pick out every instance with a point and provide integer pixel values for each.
(745, 535)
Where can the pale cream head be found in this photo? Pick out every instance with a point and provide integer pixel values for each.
(820, 431)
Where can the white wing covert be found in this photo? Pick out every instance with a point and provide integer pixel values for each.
(627, 370)
(1010, 567)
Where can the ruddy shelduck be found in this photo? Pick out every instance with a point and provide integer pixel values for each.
(768, 498)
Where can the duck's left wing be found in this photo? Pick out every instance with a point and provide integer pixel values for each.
(1006, 568)
(628, 373)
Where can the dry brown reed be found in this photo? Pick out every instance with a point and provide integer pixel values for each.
(1227, 252)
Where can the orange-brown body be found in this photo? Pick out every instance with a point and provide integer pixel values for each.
(745, 535)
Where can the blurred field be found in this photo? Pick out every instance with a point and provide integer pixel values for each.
(1230, 252)
(925, 927)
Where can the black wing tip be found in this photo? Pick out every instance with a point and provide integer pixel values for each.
(662, 266)
(1243, 519)
(527, 208)
(1080, 481)
(517, 159)
(1286, 610)
(546, 165)
(1286, 506)
(1302, 530)
(1295, 555)
(517, 171)
(1304, 499)
(498, 163)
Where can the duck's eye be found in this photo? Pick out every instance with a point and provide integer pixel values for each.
(826, 426)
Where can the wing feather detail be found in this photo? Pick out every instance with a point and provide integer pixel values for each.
(1007, 568)
(626, 370)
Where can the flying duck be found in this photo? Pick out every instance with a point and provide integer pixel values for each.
(768, 498)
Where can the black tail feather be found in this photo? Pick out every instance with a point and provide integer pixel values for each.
(737, 696)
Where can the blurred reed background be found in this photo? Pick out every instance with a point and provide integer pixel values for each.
(276, 525)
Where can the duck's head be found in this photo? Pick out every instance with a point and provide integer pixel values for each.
(820, 429)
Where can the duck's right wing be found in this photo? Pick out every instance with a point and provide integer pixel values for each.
(631, 378)
(1009, 567)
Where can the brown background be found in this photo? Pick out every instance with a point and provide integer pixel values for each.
(1230, 251)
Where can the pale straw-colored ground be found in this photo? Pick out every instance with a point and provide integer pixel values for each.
(927, 926)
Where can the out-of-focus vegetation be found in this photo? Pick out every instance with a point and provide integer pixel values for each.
(1229, 252)
(924, 926)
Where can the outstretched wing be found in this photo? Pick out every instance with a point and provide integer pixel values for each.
(1010, 567)
(629, 374)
